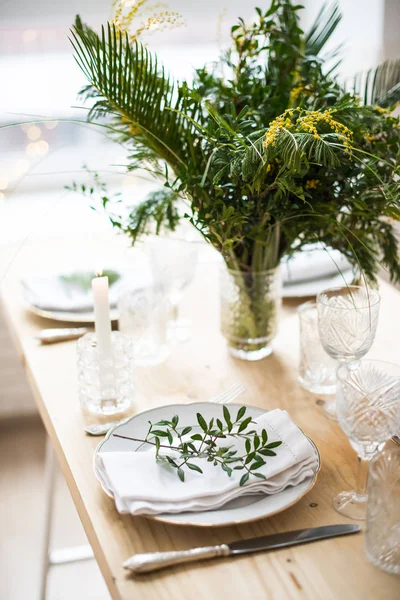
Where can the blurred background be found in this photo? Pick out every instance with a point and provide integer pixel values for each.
(38, 158)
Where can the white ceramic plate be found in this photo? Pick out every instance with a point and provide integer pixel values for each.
(304, 289)
(66, 296)
(68, 317)
(239, 511)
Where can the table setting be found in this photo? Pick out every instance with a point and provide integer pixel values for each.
(132, 468)
(234, 393)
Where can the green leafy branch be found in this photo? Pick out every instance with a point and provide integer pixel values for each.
(206, 445)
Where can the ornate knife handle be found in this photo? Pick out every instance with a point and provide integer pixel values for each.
(53, 336)
(152, 561)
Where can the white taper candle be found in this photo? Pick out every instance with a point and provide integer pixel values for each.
(102, 322)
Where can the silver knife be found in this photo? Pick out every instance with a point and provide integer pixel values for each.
(53, 336)
(152, 561)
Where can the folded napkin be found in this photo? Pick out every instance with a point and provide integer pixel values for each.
(141, 486)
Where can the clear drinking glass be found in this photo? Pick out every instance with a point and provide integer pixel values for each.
(317, 370)
(173, 263)
(347, 322)
(382, 540)
(144, 315)
(368, 411)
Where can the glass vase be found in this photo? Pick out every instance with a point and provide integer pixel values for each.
(250, 304)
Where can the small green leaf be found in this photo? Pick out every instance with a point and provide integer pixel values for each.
(257, 464)
(161, 423)
(256, 442)
(227, 415)
(196, 437)
(186, 430)
(241, 413)
(244, 479)
(210, 426)
(249, 458)
(238, 468)
(259, 475)
(220, 426)
(274, 445)
(181, 474)
(264, 436)
(201, 422)
(194, 467)
(266, 452)
(175, 420)
(170, 438)
(159, 432)
(248, 446)
(157, 445)
(226, 469)
(244, 424)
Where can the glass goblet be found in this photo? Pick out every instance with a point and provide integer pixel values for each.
(347, 322)
(368, 411)
(382, 539)
(173, 263)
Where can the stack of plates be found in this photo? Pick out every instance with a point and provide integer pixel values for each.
(314, 269)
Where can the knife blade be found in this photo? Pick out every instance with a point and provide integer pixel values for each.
(153, 561)
(291, 538)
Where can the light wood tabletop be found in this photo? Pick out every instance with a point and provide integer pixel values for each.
(196, 371)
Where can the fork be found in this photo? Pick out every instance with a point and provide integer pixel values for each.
(231, 394)
(225, 398)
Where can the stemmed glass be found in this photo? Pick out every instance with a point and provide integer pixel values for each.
(368, 411)
(173, 263)
(347, 322)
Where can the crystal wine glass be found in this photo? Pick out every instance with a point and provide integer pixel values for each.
(173, 263)
(347, 322)
(382, 539)
(368, 411)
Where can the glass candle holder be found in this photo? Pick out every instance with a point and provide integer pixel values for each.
(105, 382)
(317, 370)
(382, 540)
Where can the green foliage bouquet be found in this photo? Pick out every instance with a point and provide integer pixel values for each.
(266, 150)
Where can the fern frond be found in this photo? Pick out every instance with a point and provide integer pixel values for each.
(126, 80)
(323, 28)
(380, 85)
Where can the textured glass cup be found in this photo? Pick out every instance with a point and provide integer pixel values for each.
(382, 540)
(250, 304)
(173, 263)
(368, 411)
(347, 322)
(105, 384)
(144, 316)
(317, 370)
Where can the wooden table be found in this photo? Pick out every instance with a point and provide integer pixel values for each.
(198, 370)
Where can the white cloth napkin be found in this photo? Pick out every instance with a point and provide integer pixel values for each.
(140, 485)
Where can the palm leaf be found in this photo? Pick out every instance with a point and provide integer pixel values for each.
(323, 28)
(126, 81)
(380, 85)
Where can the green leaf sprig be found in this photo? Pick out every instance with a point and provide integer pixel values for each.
(167, 435)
